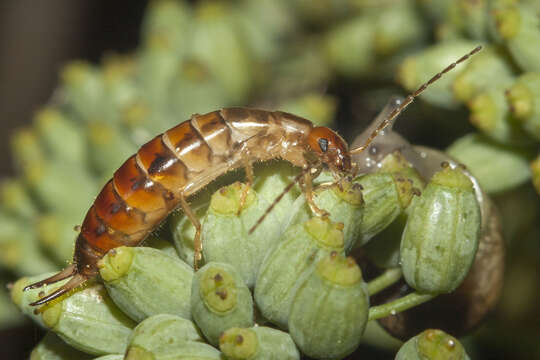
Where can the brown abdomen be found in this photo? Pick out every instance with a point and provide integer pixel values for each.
(147, 186)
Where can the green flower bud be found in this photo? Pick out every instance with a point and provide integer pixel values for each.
(83, 90)
(56, 234)
(441, 236)
(15, 199)
(270, 180)
(215, 32)
(386, 194)
(524, 100)
(10, 316)
(432, 344)
(478, 76)
(26, 148)
(85, 318)
(257, 343)
(350, 47)
(417, 69)
(109, 147)
(220, 300)
(60, 193)
(143, 282)
(19, 250)
(51, 347)
(519, 27)
(156, 334)
(343, 202)
(491, 114)
(167, 22)
(195, 90)
(320, 109)
(225, 230)
(63, 139)
(330, 309)
(189, 350)
(497, 167)
(396, 27)
(535, 169)
(302, 246)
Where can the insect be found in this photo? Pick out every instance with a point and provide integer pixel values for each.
(178, 163)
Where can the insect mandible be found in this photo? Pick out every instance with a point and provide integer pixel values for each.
(184, 159)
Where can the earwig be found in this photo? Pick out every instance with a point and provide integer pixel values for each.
(184, 159)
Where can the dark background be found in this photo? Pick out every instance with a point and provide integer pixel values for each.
(36, 39)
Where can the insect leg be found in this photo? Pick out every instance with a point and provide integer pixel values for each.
(197, 243)
(308, 188)
(249, 174)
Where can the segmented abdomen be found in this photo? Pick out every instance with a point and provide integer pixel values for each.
(176, 163)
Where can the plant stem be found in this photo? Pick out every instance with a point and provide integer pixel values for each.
(398, 305)
(381, 282)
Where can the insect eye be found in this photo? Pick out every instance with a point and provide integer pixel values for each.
(323, 144)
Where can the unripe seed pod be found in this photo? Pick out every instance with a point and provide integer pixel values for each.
(524, 100)
(63, 139)
(497, 167)
(387, 194)
(519, 27)
(350, 47)
(301, 247)
(434, 345)
(189, 350)
(86, 318)
(109, 146)
(160, 332)
(19, 250)
(82, 87)
(167, 22)
(343, 202)
(55, 233)
(535, 169)
(491, 114)
(320, 109)
(441, 236)
(478, 74)
(15, 198)
(220, 300)
(396, 27)
(225, 230)
(330, 308)
(143, 282)
(214, 29)
(417, 69)
(51, 347)
(257, 343)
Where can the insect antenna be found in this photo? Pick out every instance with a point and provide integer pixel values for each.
(409, 99)
(277, 199)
